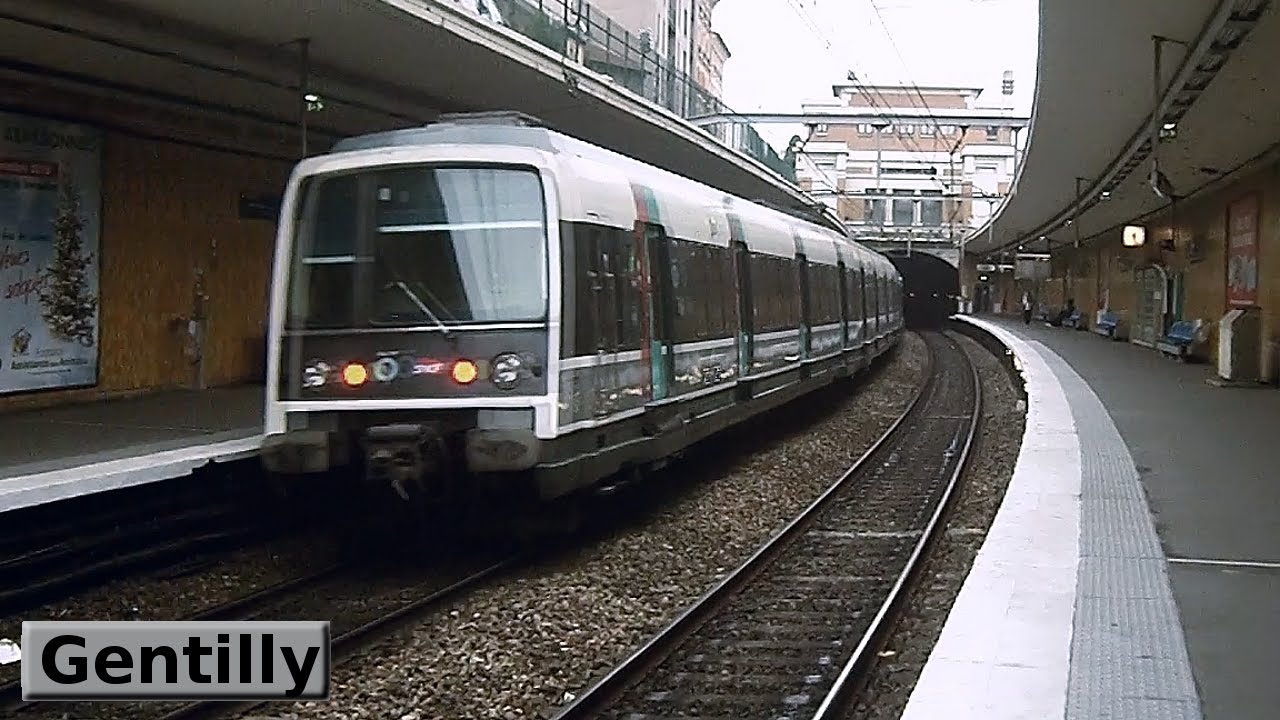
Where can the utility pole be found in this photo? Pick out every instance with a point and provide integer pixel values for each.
(884, 205)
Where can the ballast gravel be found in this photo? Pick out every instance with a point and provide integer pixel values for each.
(983, 488)
(529, 643)
(164, 595)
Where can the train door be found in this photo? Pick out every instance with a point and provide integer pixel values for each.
(746, 331)
(806, 307)
(658, 305)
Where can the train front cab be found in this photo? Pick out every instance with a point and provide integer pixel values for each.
(413, 316)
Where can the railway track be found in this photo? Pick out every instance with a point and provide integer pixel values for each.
(791, 632)
(48, 571)
(11, 693)
(363, 604)
(361, 613)
(53, 551)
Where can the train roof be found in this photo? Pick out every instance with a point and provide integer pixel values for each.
(461, 133)
(518, 129)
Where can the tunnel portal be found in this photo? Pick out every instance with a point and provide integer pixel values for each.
(931, 288)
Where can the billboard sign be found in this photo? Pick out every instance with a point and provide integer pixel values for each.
(50, 197)
(1242, 252)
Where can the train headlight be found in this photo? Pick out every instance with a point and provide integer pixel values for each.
(506, 370)
(386, 369)
(316, 374)
(354, 374)
(464, 372)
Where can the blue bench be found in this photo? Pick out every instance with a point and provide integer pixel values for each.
(1075, 321)
(1177, 342)
(1107, 324)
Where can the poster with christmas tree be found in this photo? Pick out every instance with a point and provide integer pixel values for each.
(70, 303)
(50, 195)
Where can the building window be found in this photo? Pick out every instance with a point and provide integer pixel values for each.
(926, 130)
(948, 129)
(873, 210)
(820, 129)
(907, 129)
(993, 132)
(904, 212)
(931, 213)
(865, 129)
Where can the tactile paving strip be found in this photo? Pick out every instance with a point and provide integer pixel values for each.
(1128, 654)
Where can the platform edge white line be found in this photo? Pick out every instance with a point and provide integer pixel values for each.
(22, 491)
(993, 659)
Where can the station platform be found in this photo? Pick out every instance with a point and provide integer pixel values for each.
(58, 453)
(1133, 570)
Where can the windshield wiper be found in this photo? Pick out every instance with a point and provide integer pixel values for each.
(444, 329)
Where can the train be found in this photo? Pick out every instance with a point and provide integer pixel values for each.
(484, 307)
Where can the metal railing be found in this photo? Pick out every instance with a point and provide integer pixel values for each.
(582, 33)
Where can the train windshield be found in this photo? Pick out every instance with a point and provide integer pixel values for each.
(417, 245)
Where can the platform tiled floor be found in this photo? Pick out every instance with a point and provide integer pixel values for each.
(1209, 464)
(57, 438)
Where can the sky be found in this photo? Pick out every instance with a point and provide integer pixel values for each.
(780, 60)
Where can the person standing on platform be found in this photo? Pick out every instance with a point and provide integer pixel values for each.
(1026, 308)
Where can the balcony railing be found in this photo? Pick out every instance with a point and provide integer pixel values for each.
(582, 33)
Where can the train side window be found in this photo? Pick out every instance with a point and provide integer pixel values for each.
(788, 272)
(627, 270)
(586, 323)
(823, 295)
(687, 310)
(720, 294)
(780, 294)
(728, 292)
(864, 298)
(743, 286)
(842, 301)
(607, 311)
(700, 291)
(837, 293)
(829, 294)
(764, 293)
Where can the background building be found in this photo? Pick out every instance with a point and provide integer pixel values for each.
(710, 52)
(903, 180)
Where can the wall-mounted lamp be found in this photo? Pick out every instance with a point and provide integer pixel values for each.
(1135, 236)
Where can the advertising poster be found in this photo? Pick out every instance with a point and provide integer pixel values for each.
(50, 195)
(1242, 252)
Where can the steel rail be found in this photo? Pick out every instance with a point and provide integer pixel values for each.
(863, 658)
(11, 692)
(350, 642)
(667, 640)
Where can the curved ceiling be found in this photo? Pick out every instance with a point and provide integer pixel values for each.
(377, 64)
(1093, 108)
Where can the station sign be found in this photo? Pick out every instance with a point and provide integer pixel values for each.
(986, 267)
